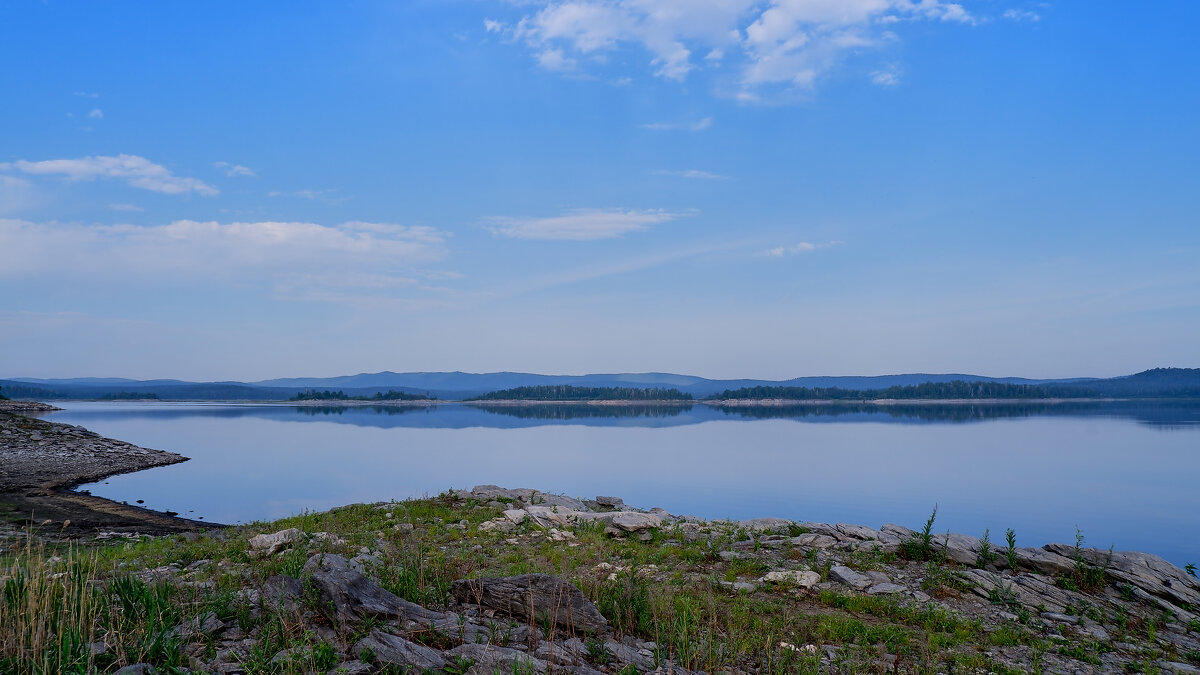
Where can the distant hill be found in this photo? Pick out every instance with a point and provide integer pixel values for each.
(1160, 382)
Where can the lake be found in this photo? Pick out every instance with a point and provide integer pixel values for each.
(1125, 474)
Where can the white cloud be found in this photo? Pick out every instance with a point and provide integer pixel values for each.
(86, 94)
(794, 249)
(581, 224)
(783, 43)
(125, 207)
(691, 173)
(885, 78)
(234, 169)
(208, 249)
(1021, 15)
(698, 125)
(138, 172)
(16, 194)
(96, 113)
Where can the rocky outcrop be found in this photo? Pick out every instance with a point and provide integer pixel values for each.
(37, 453)
(532, 598)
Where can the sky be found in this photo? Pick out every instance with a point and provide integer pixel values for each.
(724, 188)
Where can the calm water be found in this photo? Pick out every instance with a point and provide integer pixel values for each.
(1125, 474)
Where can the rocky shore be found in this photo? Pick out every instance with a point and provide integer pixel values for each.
(40, 461)
(518, 581)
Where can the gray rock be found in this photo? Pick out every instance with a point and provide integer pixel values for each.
(857, 531)
(739, 586)
(391, 649)
(351, 597)
(531, 597)
(610, 502)
(961, 548)
(801, 578)
(1060, 618)
(365, 563)
(281, 592)
(628, 656)
(137, 669)
(847, 576)
(270, 544)
(489, 659)
(886, 589)
(558, 654)
(1141, 570)
(352, 668)
(814, 540)
(563, 503)
(765, 524)
(1042, 561)
(515, 516)
(1178, 668)
(624, 521)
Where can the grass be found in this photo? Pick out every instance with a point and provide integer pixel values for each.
(57, 603)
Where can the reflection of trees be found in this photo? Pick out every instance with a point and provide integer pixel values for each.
(314, 410)
(1164, 414)
(571, 412)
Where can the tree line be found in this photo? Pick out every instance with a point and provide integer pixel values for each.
(565, 392)
(958, 389)
(389, 395)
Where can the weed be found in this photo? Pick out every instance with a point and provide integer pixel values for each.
(1010, 549)
(598, 651)
(920, 546)
(1085, 576)
(985, 555)
(1190, 569)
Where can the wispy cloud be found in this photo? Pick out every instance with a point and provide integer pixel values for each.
(326, 196)
(125, 207)
(796, 249)
(138, 172)
(691, 173)
(96, 114)
(781, 43)
(209, 249)
(698, 125)
(85, 94)
(16, 195)
(1022, 15)
(234, 169)
(580, 224)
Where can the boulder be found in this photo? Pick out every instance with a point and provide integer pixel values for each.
(563, 503)
(886, 589)
(348, 596)
(394, 650)
(610, 502)
(281, 592)
(532, 597)
(801, 578)
(270, 544)
(961, 548)
(847, 576)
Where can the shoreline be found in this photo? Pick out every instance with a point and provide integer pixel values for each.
(44, 462)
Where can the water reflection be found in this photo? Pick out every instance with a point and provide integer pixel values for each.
(1122, 472)
(1163, 415)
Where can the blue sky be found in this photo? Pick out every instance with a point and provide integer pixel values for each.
(726, 188)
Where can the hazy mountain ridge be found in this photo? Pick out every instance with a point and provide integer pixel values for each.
(1172, 382)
